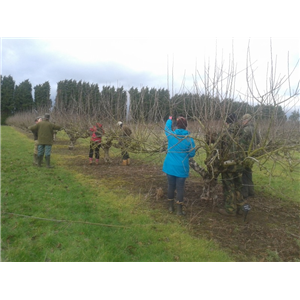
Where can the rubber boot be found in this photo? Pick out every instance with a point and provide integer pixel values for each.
(35, 159)
(48, 162)
(97, 161)
(128, 161)
(40, 159)
(171, 205)
(90, 161)
(179, 209)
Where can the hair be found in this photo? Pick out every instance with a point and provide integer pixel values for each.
(181, 123)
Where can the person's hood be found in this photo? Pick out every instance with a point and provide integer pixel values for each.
(182, 132)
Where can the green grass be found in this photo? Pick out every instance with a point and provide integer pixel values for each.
(56, 215)
(282, 184)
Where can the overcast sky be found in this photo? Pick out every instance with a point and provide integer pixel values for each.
(140, 62)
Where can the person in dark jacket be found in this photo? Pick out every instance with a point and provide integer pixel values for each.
(231, 157)
(249, 141)
(35, 138)
(95, 142)
(176, 165)
(45, 138)
(124, 142)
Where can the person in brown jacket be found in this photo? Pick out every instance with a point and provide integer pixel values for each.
(44, 131)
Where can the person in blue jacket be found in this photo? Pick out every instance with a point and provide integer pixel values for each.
(176, 165)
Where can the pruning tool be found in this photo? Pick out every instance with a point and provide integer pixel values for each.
(246, 208)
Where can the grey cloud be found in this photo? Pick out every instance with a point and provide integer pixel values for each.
(31, 59)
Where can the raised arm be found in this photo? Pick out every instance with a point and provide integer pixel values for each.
(168, 127)
(33, 127)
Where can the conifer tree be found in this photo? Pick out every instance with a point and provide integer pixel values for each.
(7, 97)
(42, 96)
(23, 97)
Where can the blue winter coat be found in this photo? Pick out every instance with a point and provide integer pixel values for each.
(180, 148)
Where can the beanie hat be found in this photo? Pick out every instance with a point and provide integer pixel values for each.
(47, 116)
(246, 117)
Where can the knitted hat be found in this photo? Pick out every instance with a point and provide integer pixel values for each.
(47, 116)
(246, 117)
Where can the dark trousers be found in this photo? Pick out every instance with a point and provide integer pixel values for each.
(248, 186)
(175, 183)
(44, 149)
(94, 146)
(125, 154)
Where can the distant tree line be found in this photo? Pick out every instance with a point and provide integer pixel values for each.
(146, 104)
(150, 104)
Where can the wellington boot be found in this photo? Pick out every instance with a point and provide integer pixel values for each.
(35, 159)
(90, 161)
(40, 159)
(179, 209)
(124, 162)
(128, 161)
(171, 206)
(48, 162)
(97, 161)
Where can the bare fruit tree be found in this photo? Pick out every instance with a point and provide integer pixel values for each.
(279, 139)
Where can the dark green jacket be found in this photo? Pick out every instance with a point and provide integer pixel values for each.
(229, 144)
(249, 138)
(45, 132)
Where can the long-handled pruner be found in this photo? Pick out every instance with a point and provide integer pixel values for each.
(246, 208)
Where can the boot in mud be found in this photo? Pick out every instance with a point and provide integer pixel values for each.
(171, 206)
(180, 212)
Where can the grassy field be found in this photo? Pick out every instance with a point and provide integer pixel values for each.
(59, 216)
